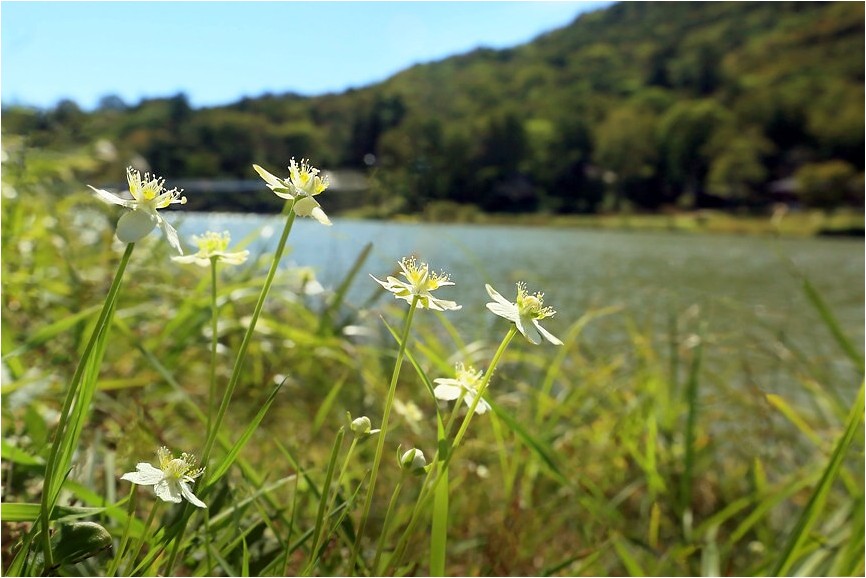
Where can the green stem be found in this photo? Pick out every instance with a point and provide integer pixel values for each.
(389, 400)
(248, 337)
(439, 464)
(213, 345)
(49, 492)
(453, 417)
(124, 539)
(381, 544)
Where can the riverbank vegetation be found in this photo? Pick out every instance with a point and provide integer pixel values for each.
(636, 108)
(637, 459)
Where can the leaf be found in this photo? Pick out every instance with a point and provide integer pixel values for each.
(19, 456)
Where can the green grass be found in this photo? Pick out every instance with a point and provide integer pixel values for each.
(637, 460)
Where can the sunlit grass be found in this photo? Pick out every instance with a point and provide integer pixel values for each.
(596, 461)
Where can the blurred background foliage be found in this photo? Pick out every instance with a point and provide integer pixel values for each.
(640, 106)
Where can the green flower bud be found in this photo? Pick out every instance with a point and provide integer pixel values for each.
(361, 427)
(413, 461)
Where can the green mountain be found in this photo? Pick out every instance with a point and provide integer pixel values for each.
(641, 104)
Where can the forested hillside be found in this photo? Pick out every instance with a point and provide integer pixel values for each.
(642, 105)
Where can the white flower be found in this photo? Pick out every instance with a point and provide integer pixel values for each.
(466, 384)
(147, 196)
(303, 184)
(171, 480)
(525, 314)
(419, 281)
(212, 246)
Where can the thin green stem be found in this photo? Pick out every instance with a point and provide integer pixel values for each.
(453, 417)
(389, 400)
(49, 492)
(441, 464)
(124, 539)
(248, 337)
(381, 544)
(213, 345)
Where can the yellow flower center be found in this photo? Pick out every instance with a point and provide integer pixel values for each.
(177, 468)
(211, 242)
(532, 305)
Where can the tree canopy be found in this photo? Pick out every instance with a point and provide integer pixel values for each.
(641, 104)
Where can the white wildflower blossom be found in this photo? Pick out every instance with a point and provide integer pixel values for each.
(171, 479)
(212, 246)
(419, 282)
(525, 313)
(466, 383)
(303, 184)
(148, 195)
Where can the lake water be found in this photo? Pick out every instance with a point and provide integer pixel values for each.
(745, 287)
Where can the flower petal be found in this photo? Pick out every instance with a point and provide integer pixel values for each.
(528, 327)
(191, 498)
(134, 226)
(113, 199)
(191, 259)
(146, 475)
(309, 207)
(320, 216)
(447, 392)
(507, 311)
(547, 335)
(168, 491)
(496, 296)
(170, 234)
(482, 407)
(443, 304)
(270, 179)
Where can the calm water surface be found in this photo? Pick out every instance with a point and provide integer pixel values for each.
(744, 288)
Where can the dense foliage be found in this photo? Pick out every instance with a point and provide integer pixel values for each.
(640, 105)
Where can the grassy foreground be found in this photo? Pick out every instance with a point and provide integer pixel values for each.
(590, 462)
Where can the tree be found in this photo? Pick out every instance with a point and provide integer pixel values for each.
(826, 185)
(684, 133)
(737, 167)
(626, 147)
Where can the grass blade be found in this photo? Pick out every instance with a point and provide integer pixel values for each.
(232, 455)
(327, 317)
(691, 425)
(799, 536)
(537, 446)
(439, 523)
(830, 321)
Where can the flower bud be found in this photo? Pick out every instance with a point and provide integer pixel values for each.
(413, 461)
(361, 428)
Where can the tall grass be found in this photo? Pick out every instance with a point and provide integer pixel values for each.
(592, 460)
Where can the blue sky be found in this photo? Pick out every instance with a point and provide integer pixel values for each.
(218, 52)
